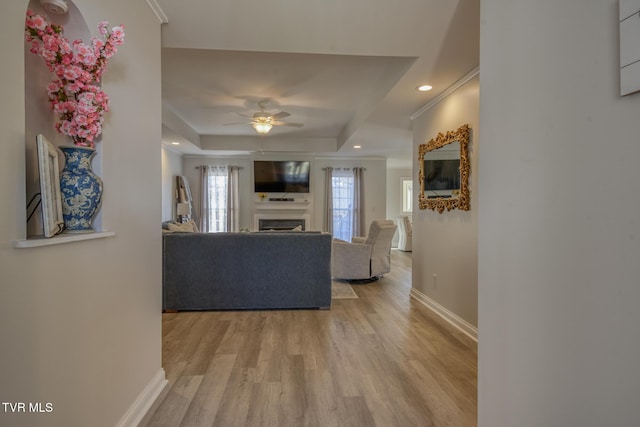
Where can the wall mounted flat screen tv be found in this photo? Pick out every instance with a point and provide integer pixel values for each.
(441, 175)
(281, 176)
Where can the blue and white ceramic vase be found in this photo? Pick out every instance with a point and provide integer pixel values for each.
(81, 189)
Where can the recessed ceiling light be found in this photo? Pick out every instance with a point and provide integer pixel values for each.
(357, 146)
(424, 88)
(175, 143)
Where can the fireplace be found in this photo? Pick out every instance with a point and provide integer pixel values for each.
(280, 223)
(281, 220)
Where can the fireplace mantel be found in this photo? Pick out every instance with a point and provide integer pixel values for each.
(302, 205)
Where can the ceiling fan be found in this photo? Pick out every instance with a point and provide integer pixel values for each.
(263, 121)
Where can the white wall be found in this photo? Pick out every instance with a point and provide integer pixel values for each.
(80, 323)
(559, 221)
(394, 196)
(445, 244)
(375, 182)
(171, 166)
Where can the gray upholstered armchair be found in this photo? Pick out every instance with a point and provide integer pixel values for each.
(364, 257)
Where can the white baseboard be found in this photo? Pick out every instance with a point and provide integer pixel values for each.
(459, 323)
(143, 402)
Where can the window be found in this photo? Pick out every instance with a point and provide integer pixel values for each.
(219, 199)
(342, 186)
(407, 195)
(216, 212)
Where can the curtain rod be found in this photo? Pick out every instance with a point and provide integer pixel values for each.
(216, 166)
(337, 169)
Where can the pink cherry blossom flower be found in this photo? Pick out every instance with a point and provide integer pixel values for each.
(74, 95)
(74, 87)
(102, 27)
(38, 22)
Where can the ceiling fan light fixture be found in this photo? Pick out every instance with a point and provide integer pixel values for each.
(262, 128)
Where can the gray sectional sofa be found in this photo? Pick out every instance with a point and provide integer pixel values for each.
(236, 271)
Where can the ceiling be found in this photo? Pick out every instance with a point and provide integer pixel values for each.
(347, 70)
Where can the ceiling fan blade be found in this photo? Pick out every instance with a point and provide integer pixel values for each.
(239, 123)
(295, 125)
(280, 115)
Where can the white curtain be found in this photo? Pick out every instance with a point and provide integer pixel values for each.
(358, 202)
(328, 200)
(205, 202)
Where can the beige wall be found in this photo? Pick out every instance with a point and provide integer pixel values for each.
(80, 323)
(559, 220)
(445, 244)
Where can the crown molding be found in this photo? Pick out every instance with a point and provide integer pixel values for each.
(324, 157)
(471, 74)
(162, 17)
(172, 149)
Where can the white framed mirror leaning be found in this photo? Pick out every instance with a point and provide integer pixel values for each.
(52, 219)
(444, 171)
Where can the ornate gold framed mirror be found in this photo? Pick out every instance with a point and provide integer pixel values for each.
(444, 171)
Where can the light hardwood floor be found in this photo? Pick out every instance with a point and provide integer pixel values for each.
(380, 360)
